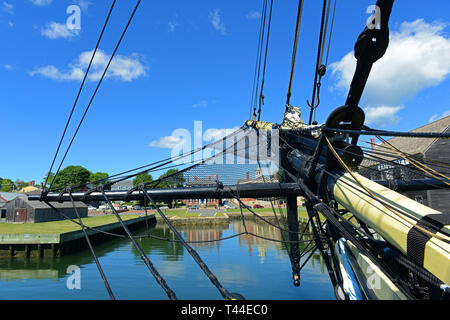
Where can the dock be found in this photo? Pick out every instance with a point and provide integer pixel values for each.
(56, 244)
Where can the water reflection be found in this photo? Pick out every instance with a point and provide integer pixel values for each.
(258, 268)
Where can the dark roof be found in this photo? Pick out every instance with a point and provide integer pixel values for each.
(122, 184)
(57, 205)
(8, 196)
(415, 146)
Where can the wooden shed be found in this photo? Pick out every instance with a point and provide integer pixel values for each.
(20, 210)
(435, 151)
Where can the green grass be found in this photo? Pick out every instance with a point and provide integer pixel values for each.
(56, 227)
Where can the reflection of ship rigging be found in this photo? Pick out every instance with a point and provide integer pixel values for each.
(362, 229)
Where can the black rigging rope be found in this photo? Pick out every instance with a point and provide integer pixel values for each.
(373, 132)
(294, 53)
(91, 248)
(318, 62)
(384, 203)
(262, 32)
(79, 93)
(96, 89)
(224, 292)
(158, 165)
(258, 57)
(261, 96)
(148, 263)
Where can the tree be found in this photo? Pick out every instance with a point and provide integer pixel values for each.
(98, 176)
(142, 178)
(71, 176)
(280, 175)
(173, 179)
(20, 184)
(6, 185)
(50, 176)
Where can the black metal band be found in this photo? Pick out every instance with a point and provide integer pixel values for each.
(417, 240)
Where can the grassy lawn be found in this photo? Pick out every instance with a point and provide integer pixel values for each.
(58, 226)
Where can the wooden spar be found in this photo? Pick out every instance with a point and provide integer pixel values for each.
(257, 190)
(398, 229)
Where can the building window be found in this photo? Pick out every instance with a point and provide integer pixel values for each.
(3, 214)
(419, 199)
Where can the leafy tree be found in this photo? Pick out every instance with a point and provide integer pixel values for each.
(7, 185)
(142, 178)
(20, 184)
(71, 176)
(98, 176)
(51, 176)
(280, 175)
(173, 179)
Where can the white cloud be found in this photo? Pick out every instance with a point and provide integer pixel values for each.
(168, 142)
(55, 30)
(436, 116)
(382, 115)
(8, 7)
(7, 67)
(11, 24)
(418, 57)
(252, 15)
(41, 2)
(122, 67)
(53, 73)
(214, 18)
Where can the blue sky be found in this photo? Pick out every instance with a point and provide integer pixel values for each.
(186, 61)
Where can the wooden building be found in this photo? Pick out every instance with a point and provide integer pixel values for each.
(434, 152)
(20, 210)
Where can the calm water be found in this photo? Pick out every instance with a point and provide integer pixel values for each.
(255, 268)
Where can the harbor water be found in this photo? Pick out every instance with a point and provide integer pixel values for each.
(256, 268)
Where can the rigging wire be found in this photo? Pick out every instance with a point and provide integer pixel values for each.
(331, 33)
(147, 262)
(370, 195)
(294, 53)
(318, 62)
(96, 89)
(261, 96)
(416, 163)
(91, 248)
(156, 165)
(79, 92)
(258, 57)
(436, 163)
(224, 292)
(328, 51)
(393, 210)
(262, 32)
